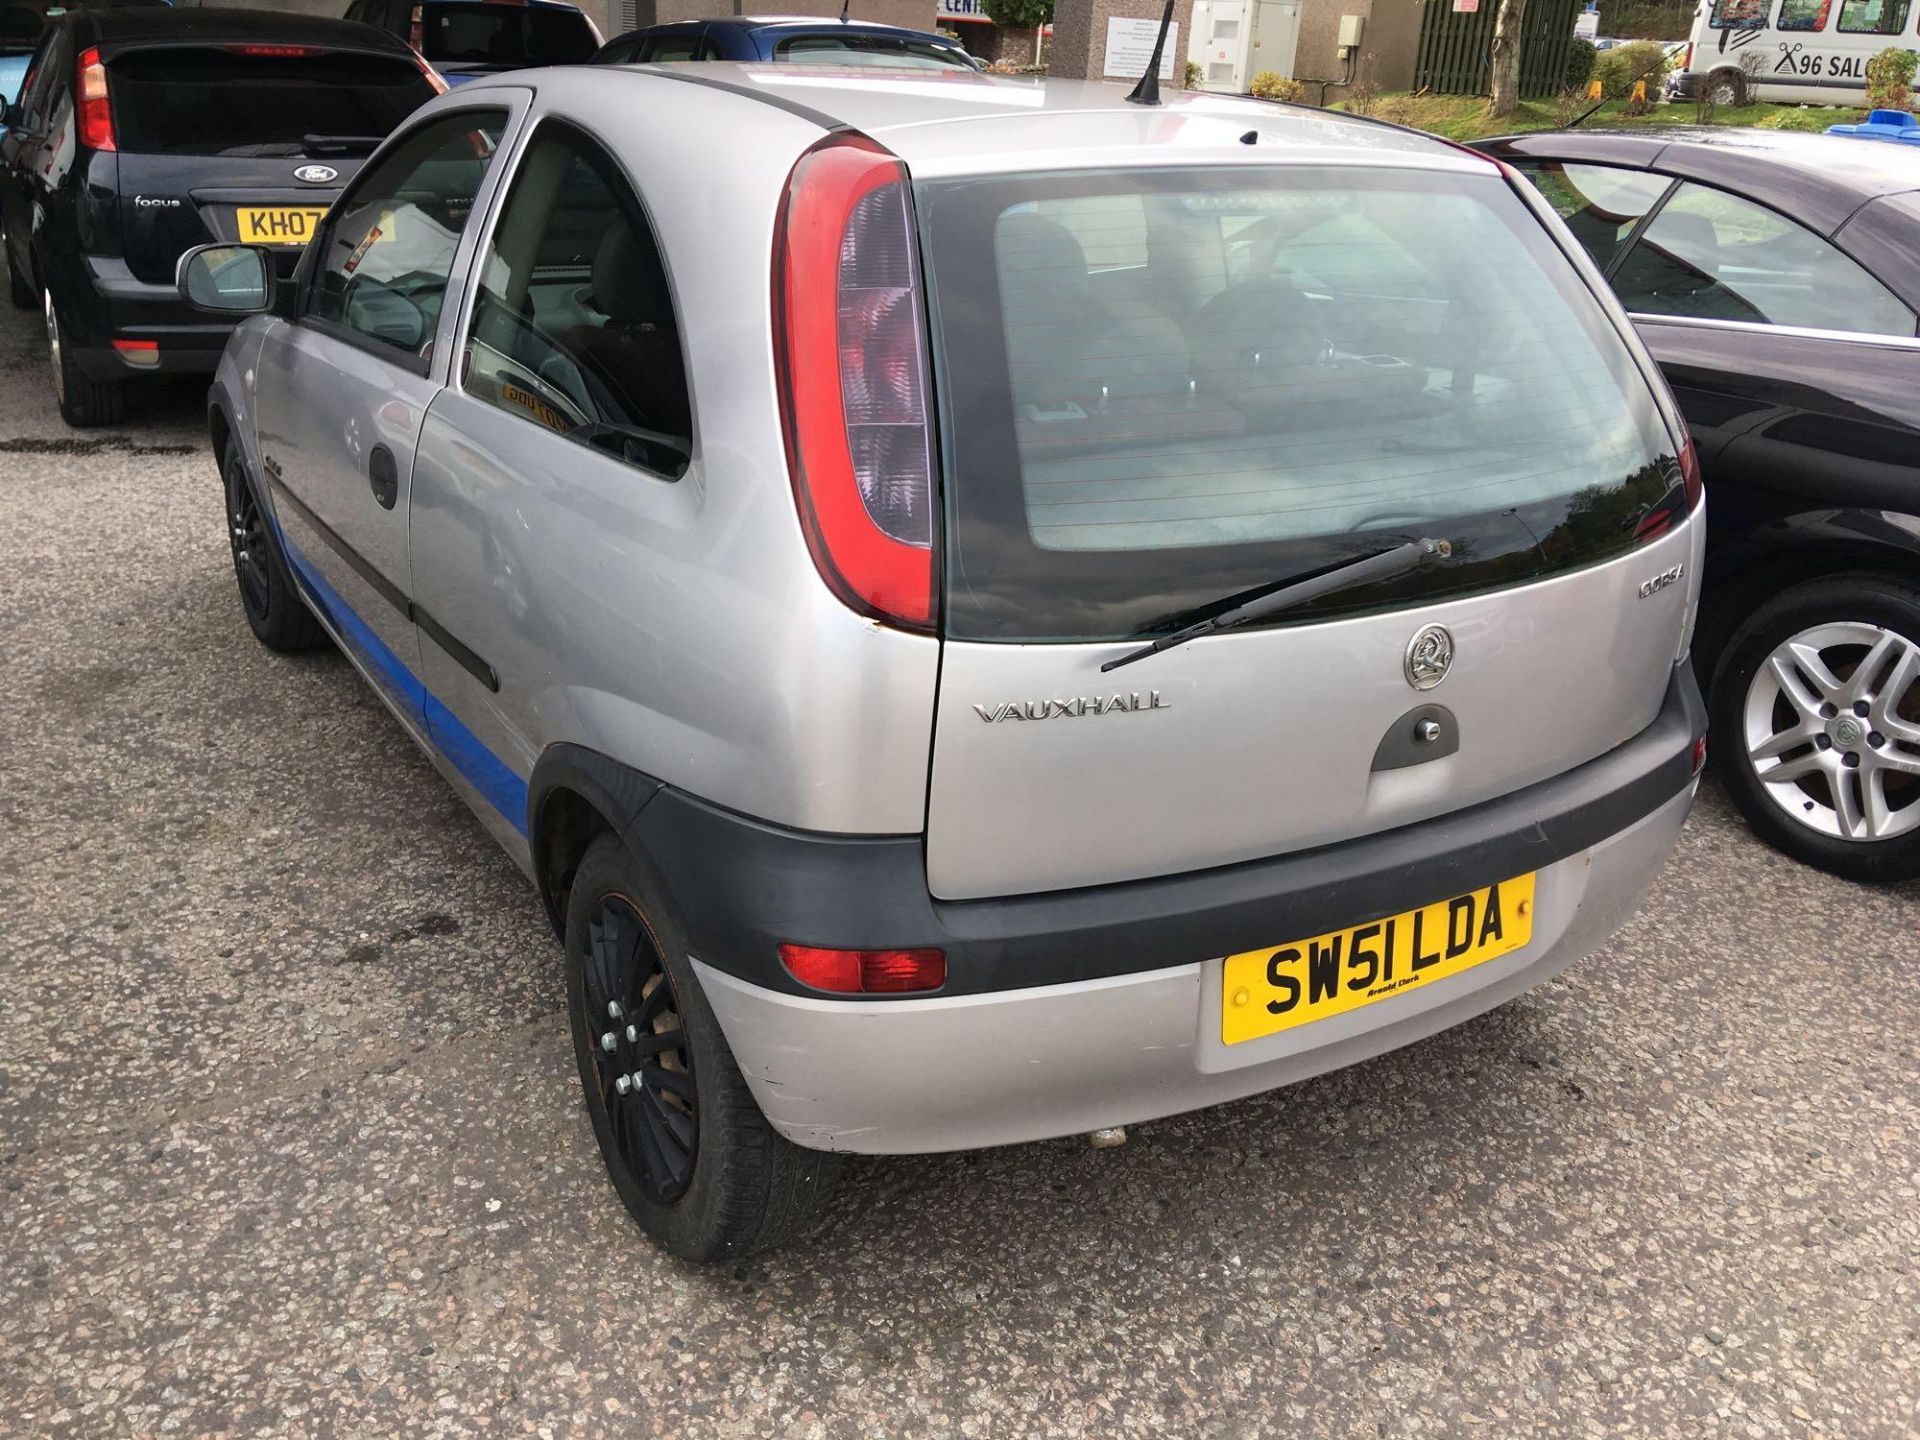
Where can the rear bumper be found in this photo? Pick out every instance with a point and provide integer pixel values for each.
(112, 304)
(1071, 1011)
(970, 1071)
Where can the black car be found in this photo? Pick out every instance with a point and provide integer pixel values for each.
(140, 133)
(465, 39)
(1776, 279)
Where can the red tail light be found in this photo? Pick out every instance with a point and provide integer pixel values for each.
(94, 103)
(1656, 523)
(1690, 475)
(865, 972)
(1699, 754)
(433, 78)
(850, 346)
(416, 28)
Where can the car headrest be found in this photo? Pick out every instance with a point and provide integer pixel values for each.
(627, 281)
(1038, 254)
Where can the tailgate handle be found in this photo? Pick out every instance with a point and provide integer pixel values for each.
(383, 475)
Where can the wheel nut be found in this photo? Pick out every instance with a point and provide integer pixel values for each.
(633, 1032)
(1859, 707)
(613, 1009)
(1876, 739)
(1852, 762)
(608, 1041)
(624, 1084)
(1827, 712)
(1823, 742)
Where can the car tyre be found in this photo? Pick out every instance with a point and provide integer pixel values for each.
(84, 401)
(1815, 725)
(1727, 89)
(279, 618)
(687, 1149)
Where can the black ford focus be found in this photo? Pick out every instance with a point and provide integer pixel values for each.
(140, 133)
(1776, 279)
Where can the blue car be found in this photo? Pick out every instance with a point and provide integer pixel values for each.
(798, 40)
(465, 39)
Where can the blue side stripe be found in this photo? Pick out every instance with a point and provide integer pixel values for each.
(464, 750)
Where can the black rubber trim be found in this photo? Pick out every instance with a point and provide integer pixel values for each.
(456, 649)
(746, 92)
(740, 887)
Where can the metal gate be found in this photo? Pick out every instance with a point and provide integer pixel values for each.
(1456, 47)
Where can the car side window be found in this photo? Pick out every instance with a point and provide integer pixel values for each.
(1873, 17)
(1803, 14)
(1600, 203)
(37, 90)
(1714, 256)
(573, 326)
(388, 246)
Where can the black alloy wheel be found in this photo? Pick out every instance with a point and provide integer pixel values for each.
(643, 1074)
(247, 535)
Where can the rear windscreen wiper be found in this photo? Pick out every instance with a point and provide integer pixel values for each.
(1382, 565)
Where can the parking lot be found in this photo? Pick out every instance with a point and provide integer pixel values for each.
(291, 1145)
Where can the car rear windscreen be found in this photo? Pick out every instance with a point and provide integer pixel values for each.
(1165, 388)
(504, 36)
(880, 51)
(235, 101)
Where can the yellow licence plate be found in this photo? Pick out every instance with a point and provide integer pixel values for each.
(278, 224)
(1277, 987)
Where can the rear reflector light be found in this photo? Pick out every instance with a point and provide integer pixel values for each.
(433, 78)
(1699, 754)
(138, 352)
(273, 52)
(865, 972)
(95, 104)
(851, 351)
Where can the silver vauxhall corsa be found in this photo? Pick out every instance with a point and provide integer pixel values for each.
(986, 611)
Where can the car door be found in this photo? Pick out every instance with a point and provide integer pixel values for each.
(342, 388)
(1792, 363)
(549, 508)
(1801, 365)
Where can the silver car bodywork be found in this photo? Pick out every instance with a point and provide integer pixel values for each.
(680, 629)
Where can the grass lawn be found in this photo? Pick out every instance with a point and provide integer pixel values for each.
(1464, 117)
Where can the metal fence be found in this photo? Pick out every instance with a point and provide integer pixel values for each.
(1456, 47)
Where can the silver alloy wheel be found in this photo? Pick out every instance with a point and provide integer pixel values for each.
(1832, 724)
(53, 346)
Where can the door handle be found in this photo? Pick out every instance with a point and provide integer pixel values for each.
(383, 477)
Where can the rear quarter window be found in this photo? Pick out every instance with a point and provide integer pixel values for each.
(1267, 373)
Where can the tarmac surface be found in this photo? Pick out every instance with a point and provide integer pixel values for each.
(290, 1140)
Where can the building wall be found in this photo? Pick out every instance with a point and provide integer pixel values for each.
(1391, 38)
(1079, 43)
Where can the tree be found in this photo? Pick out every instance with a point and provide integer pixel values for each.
(1506, 58)
(1019, 14)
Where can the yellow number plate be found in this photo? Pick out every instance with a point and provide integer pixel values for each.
(278, 224)
(1277, 987)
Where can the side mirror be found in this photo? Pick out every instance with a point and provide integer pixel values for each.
(227, 279)
(12, 116)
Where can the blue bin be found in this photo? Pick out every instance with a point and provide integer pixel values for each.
(1894, 125)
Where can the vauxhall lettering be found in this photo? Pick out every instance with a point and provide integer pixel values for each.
(1072, 709)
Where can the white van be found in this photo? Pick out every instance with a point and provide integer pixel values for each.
(1811, 52)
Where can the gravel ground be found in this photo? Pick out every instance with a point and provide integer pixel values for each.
(290, 1145)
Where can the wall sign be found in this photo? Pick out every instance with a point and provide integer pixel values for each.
(1130, 46)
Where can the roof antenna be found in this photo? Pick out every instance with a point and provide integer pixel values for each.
(845, 5)
(1147, 92)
